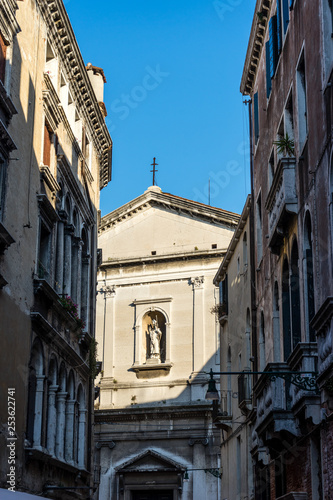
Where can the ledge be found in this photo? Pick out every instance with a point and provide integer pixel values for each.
(152, 370)
(49, 179)
(44, 456)
(5, 239)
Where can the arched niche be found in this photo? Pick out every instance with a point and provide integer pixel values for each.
(154, 337)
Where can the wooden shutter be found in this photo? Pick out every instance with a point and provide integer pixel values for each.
(285, 8)
(273, 46)
(268, 76)
(47, 146)
(256, 117)
(278, 26)
(3, 50)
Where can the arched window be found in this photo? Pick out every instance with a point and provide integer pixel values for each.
(59, 274)
(68, 235)
(85, 275)
(295, 296)
(81, 435)
(70, 420)
(286, 311)
(36, 395)
(276, 323)
(262, 350)
(61, 413)
(308, 278)
(51, 428)
(75, 258)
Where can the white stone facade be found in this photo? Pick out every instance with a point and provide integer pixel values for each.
(160, 254)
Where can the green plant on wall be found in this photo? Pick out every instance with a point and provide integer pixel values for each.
(285, 145)
(93, 358)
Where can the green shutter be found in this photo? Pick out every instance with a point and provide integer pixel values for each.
(268, 75)
(273, 45)
(256, 117)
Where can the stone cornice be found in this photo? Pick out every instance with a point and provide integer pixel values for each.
(132, 414)
(9, 26)
(62, 37)
(169, 202)
(255, 45)
(6, 142)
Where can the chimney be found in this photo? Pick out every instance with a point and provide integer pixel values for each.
(97, 79)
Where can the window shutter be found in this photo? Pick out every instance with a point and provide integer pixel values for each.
(268, 75)
(291, 4)
(273, 49)
(3, 49)
(256, 117)
(279, 26)
(285, 15)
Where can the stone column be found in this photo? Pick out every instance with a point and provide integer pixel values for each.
(61, 425)
(109, 293)
(82, 438)
(168, 343)
(60, 252)
(79, 275)
(198, 323)
(52, 419)
(38, 417)
(69, 432)
(199, 476)
(69, 231)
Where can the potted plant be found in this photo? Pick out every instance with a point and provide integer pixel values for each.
(285, 146)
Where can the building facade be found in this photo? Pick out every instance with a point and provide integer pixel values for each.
(157, 340)
(55, 156)
(234, 313)
(288, 77)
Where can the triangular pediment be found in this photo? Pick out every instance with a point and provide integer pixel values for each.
(149, 460)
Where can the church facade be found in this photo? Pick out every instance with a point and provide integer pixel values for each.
(158, 337)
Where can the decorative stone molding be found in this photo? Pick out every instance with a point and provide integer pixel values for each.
(109, 291)
(62, 38)
(152, 301)
(108, 444)
(51, 103)
(7, 143)
(5, 239)
(6, 103)
(198, 440)
(152, 370)
(197, 282)
(9, 26)
(49, 179)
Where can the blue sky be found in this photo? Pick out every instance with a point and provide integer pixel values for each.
(173, 74)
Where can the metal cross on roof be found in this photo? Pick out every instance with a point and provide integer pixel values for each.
(154, 164)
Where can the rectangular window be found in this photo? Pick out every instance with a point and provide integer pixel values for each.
(259, 229)
(301, 102)
(224, 295)
(47, 146)
(256, 117)
(268, 72)
(3, 50)
(273, 45)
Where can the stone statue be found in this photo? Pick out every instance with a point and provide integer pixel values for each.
(155, 335)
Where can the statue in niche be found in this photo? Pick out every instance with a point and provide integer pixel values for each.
(155, 335)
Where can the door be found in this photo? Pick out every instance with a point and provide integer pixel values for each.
(152, 495)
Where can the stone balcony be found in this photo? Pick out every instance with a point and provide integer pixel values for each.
(281, 201)
(274, 414)
(305, 399)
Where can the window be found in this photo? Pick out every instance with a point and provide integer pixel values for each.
(245, 262)
(224, 294)
(276, 323)
(268, 72)
(262, 350)
(271, 169)
(286, 311)
(308, 275)
(48, 137)
(44, 254)
(3, 171)
(282, 21)
(51, 65)
(3, 51)
(301, 102)
(259, 229)
(327, 35)
(273, 45)
(256, 117)
(295, 296)
(289, 117)
(36, 396)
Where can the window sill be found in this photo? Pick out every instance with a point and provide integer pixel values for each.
(42, 455)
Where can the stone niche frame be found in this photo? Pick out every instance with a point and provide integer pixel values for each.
(141, 308)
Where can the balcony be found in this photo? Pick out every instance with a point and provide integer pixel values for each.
(281, 201)
(274, 413)
(323, 325)
(305, 402)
